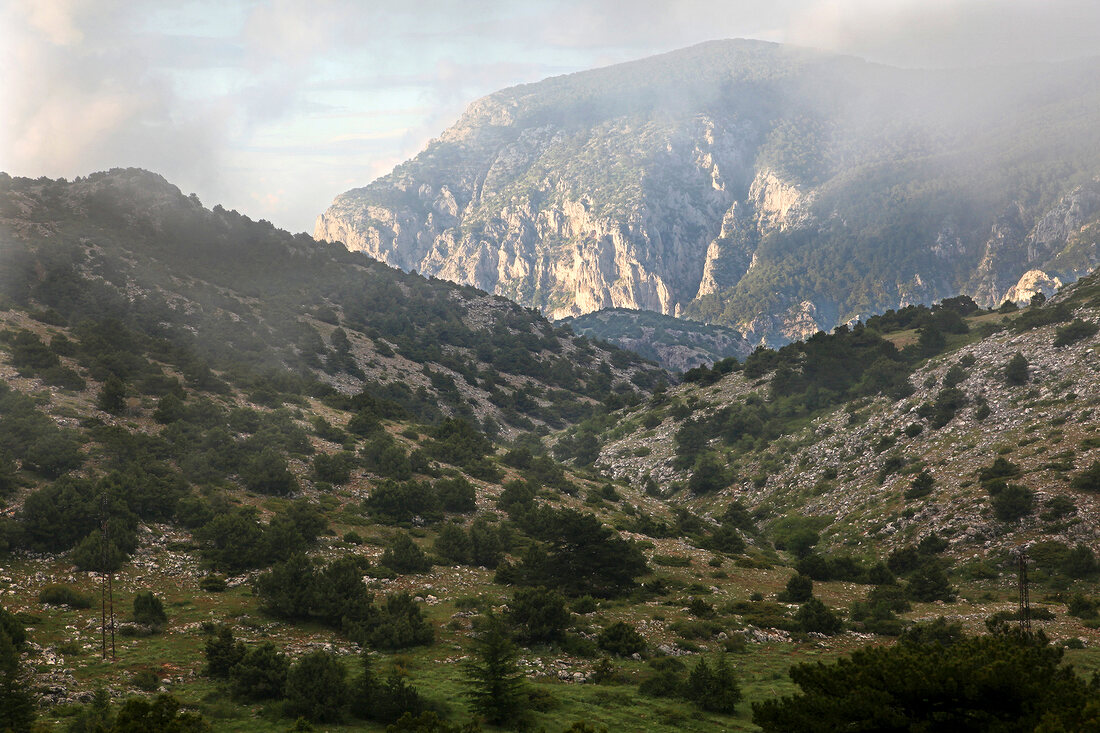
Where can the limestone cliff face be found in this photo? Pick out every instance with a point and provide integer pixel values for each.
(730, 183)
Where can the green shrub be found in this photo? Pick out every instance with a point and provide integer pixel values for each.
(622, 639)
(63, 595)
(149, 610)
(405, 556)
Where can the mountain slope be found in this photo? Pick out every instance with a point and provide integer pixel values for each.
(773, 189)
(853, 466)
(674, 343)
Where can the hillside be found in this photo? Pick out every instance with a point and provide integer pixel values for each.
(323, 489)
(849, 464)
(674, 343)
(771, 189)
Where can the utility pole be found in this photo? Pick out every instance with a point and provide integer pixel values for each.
(107, 590)
(1025, 595)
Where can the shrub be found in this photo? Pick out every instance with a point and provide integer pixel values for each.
(260, 674)
(666, 680)
(63, 595)
(622, 639)
(149, 610)
(405, 556)
(1012, 502)
(714, 689)
(456, 495)
(1016, 371)
(800, 588)
(538, 614)
(1088, 479)
(1073, 332)
(316, 687)
(815, 616)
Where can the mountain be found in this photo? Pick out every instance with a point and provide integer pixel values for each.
(674, 343)
(772, 189)
(309, 483)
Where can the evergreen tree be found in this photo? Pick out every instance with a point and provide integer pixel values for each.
(149, 610)
(815, 616)
(261, 673)
(800, 588)
(222, 651)
(16, 703)
(493, 674)
(316, 687)
(1016, 371)
(539, 615)
(112, 396)
(404, 556)
(714, 689)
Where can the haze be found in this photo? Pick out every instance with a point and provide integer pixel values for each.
(273, 108)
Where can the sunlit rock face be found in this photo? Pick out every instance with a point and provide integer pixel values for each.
(772, 189)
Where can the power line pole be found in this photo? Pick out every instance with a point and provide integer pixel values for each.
(1025, 595)
(107, 590)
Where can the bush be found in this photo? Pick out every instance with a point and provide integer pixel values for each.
(222, 652)
(667, 679)
(405, 556)
(800, 588)
(213, 584)
(622, 639)
(539, 615)
(456, 495)
(149, 610)
(815, 616)
(260, 674)
(1016, 371)
(714, 689)
(1012, 502)
(316, 687)
(1088, 479)
(63, 595)
(400, 625)
(1073, 332)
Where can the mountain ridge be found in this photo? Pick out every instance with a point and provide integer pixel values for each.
(721, 182)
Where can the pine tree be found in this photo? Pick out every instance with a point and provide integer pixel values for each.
(493, 675)
(112, 397)
(16, 703)
(1016, 371)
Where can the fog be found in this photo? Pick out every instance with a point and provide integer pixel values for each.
(275, 107)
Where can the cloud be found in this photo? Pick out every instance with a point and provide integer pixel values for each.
(276, 106)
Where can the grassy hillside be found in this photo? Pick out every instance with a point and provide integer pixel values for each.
(311, 460)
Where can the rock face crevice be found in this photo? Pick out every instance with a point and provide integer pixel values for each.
(733, 183)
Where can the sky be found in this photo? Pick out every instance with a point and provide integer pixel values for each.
(274, 107)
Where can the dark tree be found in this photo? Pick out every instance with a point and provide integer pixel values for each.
(405, 556)
(714, 689)
(800, 588)
(622, 639)
(222, 652)
(1006, 683)
(495, 681)
(16, 701)
(112, 396)
(316, 687)
(813, 615)
(149, 610)
(539, 615)
(1016, 371)
(261, 673)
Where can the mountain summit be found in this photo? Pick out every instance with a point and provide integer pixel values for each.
(774, 189)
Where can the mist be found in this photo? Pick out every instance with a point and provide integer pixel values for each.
(273, 108)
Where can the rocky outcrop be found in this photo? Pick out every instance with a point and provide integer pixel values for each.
(730, 183)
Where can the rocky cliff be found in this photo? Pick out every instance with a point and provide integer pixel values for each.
(776, 190)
